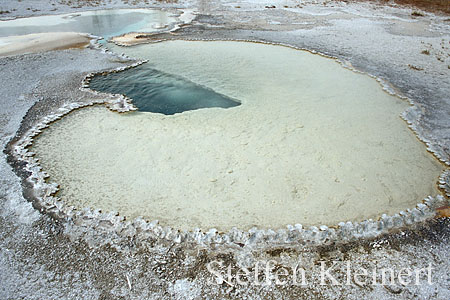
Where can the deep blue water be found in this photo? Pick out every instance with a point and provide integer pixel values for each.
(154, 91)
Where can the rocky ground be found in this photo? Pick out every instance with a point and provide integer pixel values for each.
(41, 258)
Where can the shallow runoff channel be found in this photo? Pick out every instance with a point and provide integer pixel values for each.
(311, 143)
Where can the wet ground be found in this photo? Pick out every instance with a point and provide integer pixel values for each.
(41, 258)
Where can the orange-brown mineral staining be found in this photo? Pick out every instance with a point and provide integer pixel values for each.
(443, 212)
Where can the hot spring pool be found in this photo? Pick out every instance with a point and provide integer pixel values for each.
(311, 143)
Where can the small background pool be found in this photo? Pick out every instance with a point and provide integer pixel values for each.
(104, 23)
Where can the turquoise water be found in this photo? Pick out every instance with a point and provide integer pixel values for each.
(104, 23)
(158, 92)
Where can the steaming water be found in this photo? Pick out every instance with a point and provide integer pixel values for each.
(311, 143)
(105, 23)
(159, 92)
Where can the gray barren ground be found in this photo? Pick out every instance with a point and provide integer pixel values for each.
(42, 258)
